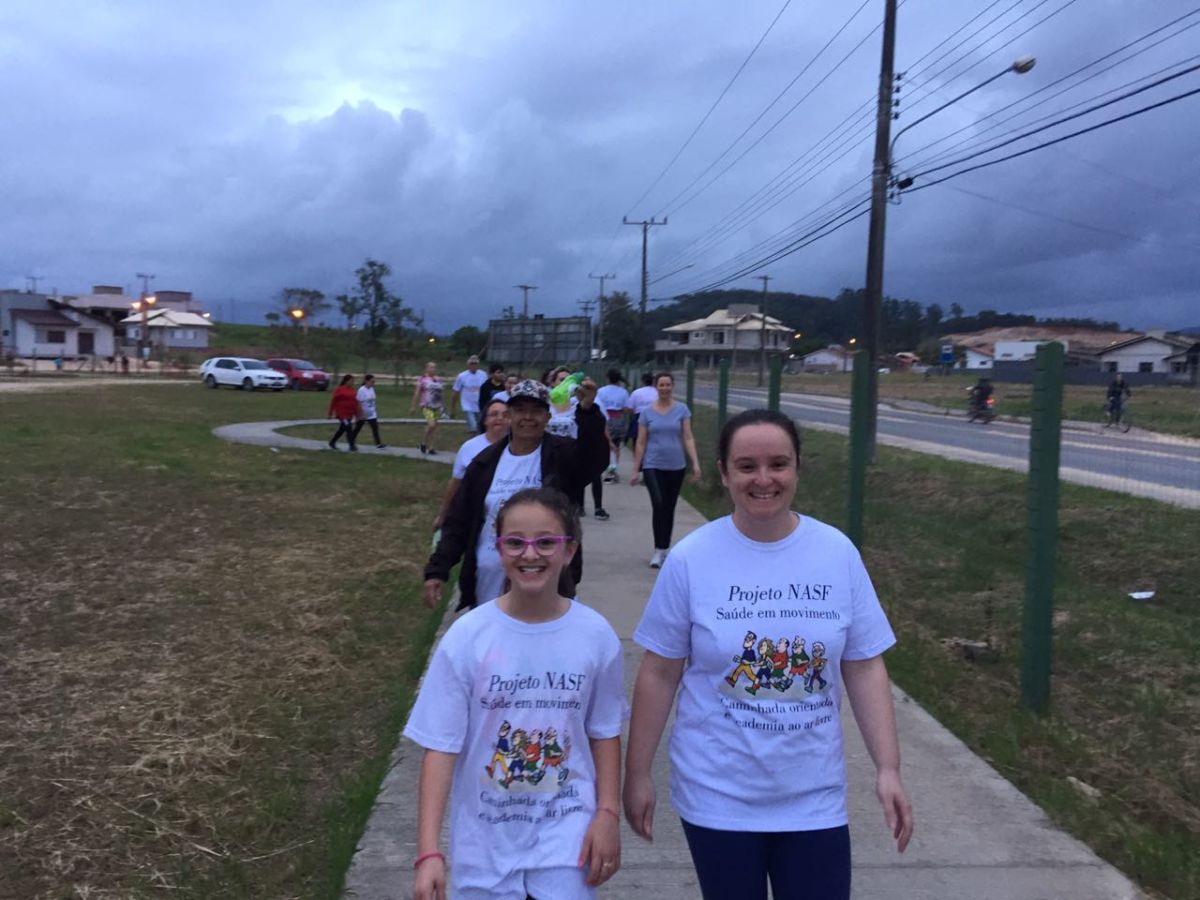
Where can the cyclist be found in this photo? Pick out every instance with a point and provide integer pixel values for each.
(980, 392)
(1118, 390)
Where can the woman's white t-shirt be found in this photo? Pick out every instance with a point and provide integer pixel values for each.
(513, 473)
(468, 452)
(518, 703)
(562, 421)
(757, 741)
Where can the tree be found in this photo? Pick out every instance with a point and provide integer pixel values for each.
(933, 318)
(956, 311)
(310, 301)
(380, 308)
(469, 340)
(621, 331)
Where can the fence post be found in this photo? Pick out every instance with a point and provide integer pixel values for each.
(690, 368)
(1044, 447)
(722, 394)
(773, 383)
(857, 475)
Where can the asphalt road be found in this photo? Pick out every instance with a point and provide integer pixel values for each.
(1145, 465)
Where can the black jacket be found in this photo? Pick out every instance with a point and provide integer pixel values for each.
(569, 465)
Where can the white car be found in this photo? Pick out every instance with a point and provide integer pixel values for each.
(240, 372)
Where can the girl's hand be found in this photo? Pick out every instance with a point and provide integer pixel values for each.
(431, 596)
(430, 883)
(601, 847)
(897, 810)
(639, 799)
(636, 478)
(695, 474)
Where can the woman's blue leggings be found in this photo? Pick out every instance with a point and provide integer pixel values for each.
(801, 865)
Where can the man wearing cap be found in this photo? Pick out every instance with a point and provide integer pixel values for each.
(526, 457)
(466, 389)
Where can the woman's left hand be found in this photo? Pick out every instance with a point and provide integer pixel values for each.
(601, 848)
(897, 810)
(586, 392)
(695, 474)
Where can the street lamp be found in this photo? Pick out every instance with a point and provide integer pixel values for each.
(881, 180)
(143, 306)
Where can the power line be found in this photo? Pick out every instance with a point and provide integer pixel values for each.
(1057, 140)
(715, 103)
(1061, 121)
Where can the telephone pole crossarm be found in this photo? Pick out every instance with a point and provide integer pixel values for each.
(645, 226)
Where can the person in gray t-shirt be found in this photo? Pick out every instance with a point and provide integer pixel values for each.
(664, 447)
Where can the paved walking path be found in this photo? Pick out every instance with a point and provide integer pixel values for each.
(976, 835)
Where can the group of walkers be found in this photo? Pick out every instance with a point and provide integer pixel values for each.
(756, 623)
(353, 408)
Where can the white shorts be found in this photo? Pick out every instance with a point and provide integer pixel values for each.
(564, 883)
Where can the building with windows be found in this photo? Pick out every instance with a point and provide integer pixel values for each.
(738, 333)
(170, 329)
(1155, 352)
(37, 326)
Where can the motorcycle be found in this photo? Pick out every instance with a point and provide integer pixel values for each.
(983, 411)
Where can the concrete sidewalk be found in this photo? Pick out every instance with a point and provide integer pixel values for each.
(976, 835)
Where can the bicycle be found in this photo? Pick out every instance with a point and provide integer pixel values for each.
(1120, 417)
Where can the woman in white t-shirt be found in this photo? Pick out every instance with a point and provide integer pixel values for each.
(758, 620)
(495, 426)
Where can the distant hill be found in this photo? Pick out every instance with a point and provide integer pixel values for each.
(1076, 338)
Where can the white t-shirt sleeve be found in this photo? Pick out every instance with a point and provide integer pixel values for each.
(666, 626)
(439, 717)
(608, 709)
(869, 633)
(459, 383)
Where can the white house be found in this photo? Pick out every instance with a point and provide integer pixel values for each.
(1153, 352)
(169, 328)
(978, 357)
(738, 333)
(38, 326)
(1019, 351)
(834, 358)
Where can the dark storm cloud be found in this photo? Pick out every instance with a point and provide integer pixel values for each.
(235, 150)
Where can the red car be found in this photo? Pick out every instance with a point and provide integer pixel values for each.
(301, 374)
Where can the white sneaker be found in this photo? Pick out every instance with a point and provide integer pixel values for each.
(656, 559)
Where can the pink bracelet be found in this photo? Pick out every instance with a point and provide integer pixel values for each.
(424, 856)
(612, 812)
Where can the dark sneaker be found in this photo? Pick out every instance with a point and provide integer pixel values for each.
(353, 448)
(602, 515)
(332, 445)
(431, 452)
(423, 449)
(381, 446)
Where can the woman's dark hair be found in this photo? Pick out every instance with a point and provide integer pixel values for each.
(347, 378)
(368, 378)
(558, 503)
(614, 376)
(664, 375)
(487, 409)
(756, 417)
(647, 379)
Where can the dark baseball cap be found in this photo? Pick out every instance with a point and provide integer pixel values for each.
(530, 390)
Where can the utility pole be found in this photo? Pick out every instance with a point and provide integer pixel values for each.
(873, 299)
(762, 332)
(645, 224)
(600, 311)
(524, 289)
(586, 306)
(33, 280)
(144, 309)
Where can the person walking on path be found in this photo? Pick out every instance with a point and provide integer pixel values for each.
(639, 399)
(498, 741)
(495, 427)
(757, 765)
(489, 389)
(564, 422)
(428, 395)
(527, 457)
(614, 403)
(367, 414)
(343, 405)
(466, 388)
(664, 440)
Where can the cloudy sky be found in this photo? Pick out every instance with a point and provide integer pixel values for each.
(234, 149)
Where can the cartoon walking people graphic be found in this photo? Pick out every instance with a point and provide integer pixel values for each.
(762, 675)
(799, 660)
(516, 758)
(779, 666)
(816, 667)
(745, 662)
(500, 754)
(553, 755)
(532, 752)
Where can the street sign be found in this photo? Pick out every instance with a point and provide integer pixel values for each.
(947, 354)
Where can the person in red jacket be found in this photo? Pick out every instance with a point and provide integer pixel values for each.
(344, 405)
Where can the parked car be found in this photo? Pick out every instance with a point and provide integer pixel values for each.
(301, 374)
(240, 372)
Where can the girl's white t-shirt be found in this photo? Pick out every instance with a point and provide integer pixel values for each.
(757, 741)
(562, 421)
(513, 473)
(518, 703)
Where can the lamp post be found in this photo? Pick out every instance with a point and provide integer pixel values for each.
(881, 180)
(143, 306)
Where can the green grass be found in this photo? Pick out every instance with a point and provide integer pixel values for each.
(208, 647)
(945, 545)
